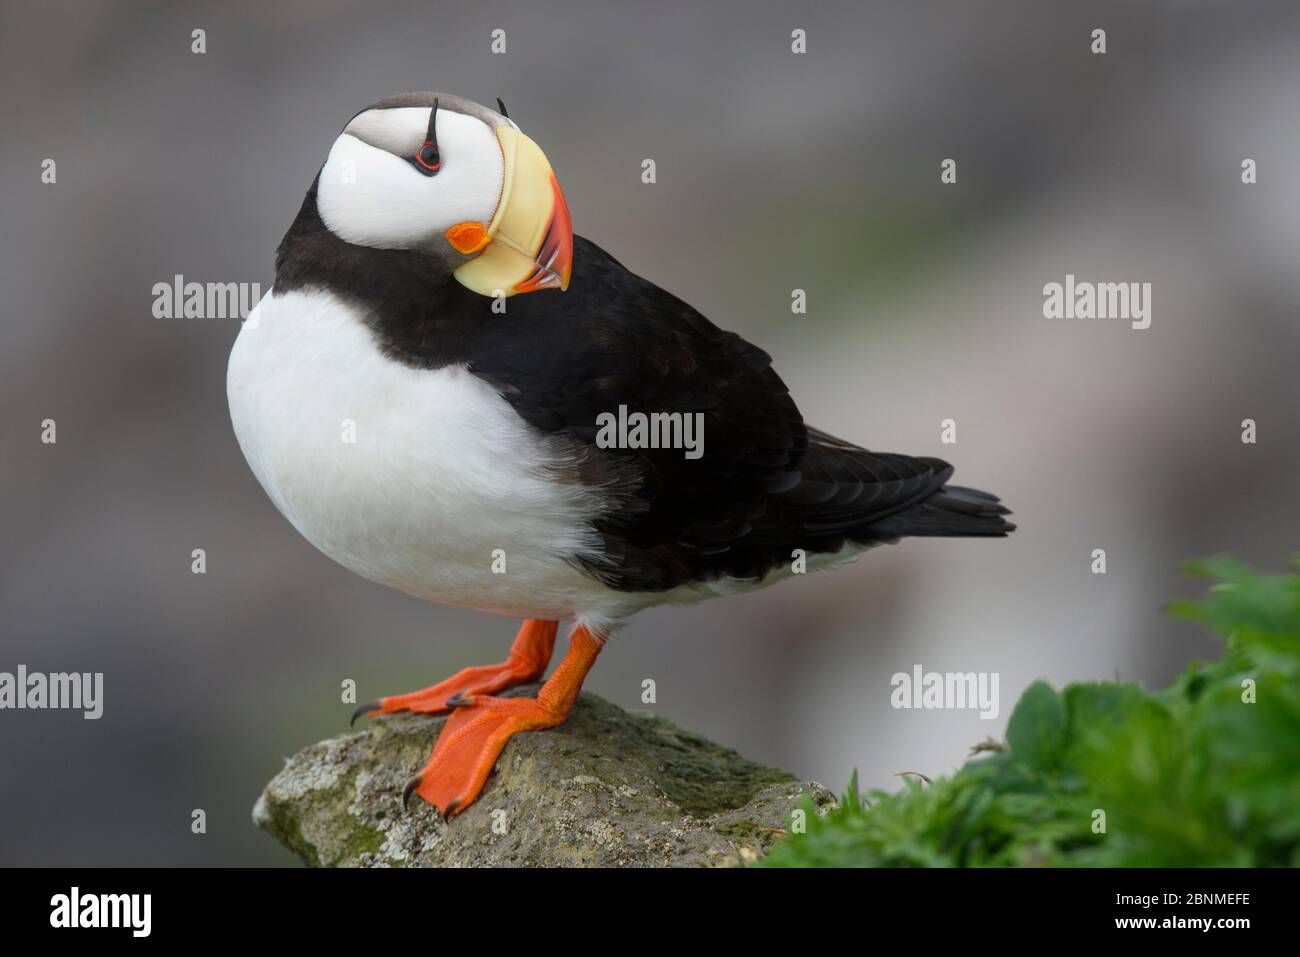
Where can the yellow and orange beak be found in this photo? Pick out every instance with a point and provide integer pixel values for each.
(528, 246)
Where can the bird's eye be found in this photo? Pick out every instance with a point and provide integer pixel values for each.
(427, 159)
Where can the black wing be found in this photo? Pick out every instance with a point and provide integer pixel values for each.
(766, 483)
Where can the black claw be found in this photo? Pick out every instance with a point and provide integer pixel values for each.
(366, 708)
(455, 803)
(458, 700)
(411, 785)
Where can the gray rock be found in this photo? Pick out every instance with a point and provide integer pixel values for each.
(607, 788)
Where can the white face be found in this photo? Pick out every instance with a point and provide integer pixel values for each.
(370, 194)
(480, 201)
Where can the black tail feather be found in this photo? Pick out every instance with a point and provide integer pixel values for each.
(952, 511)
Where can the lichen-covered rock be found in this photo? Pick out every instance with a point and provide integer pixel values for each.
(606, 788)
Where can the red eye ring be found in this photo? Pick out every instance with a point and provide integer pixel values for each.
(428, 158)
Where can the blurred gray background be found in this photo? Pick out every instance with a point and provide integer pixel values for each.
(775, 171)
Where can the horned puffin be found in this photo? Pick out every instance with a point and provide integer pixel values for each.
(422, 394)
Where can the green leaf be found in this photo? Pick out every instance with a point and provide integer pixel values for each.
(1205, 772)
(1036, 731)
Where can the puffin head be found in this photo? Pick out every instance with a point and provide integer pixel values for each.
(443, 176)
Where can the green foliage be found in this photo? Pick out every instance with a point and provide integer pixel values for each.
(1196, 774)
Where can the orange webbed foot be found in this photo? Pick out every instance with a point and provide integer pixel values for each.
(477, 731)
(470, 743)
(527, 661)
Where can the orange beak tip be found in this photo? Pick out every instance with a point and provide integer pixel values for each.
(553, 265)
(562, 230)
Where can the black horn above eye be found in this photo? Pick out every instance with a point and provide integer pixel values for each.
(427, 159)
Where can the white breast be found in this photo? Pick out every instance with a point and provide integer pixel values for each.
(413, 478)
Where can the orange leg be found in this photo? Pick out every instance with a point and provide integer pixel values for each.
(527, 661)
(479, 728)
